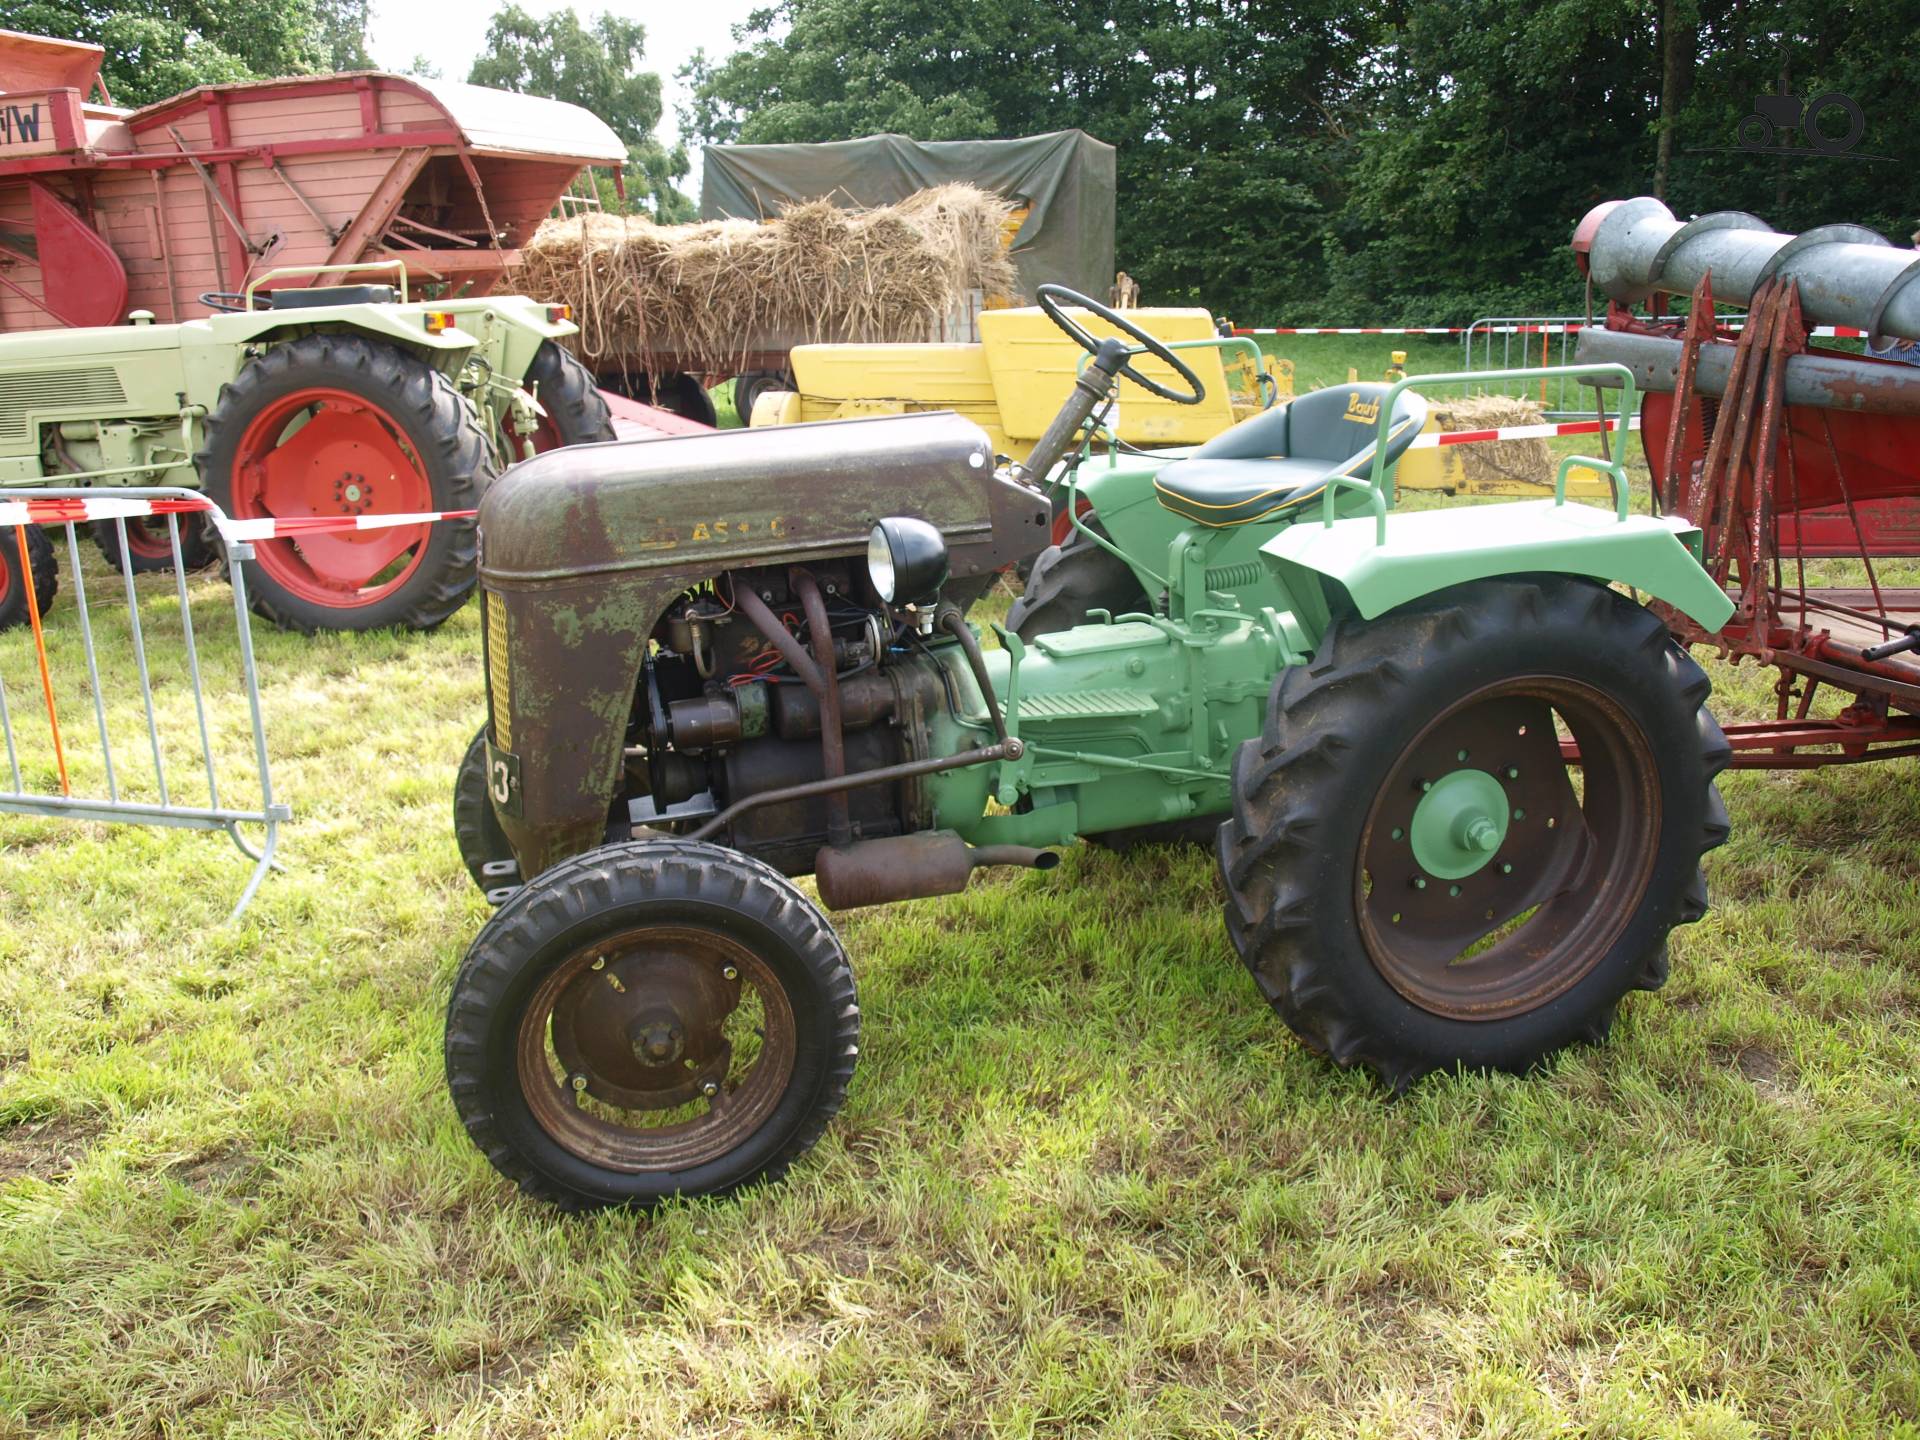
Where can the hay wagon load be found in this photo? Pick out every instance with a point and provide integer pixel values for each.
(878, 240)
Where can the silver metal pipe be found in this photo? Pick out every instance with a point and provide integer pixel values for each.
(1847, 274)
(1830, 382)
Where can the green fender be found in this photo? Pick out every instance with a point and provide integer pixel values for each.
(1428, 550)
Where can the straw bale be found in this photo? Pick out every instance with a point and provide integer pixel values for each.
(708, 294)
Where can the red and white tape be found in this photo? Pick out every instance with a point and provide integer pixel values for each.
(1821, 332)
(1518, 432)
(110, 507)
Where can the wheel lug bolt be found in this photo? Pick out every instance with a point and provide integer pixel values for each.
(1419, 882)
(731, 972)
(1513, 772)
(1426, 785)
(1506, 869)
(599, 962)
(579, 1083)
(710, 1089)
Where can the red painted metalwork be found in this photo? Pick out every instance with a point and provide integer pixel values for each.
(346, 459)
(1777, 489)
(204, 190)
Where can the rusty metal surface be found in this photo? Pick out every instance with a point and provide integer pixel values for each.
(627, 1034)
(911, 867)
(1571, 870)
(1832, 382)
(585, 547)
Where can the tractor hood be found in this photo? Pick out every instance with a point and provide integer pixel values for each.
(582, 549)
(688, 507)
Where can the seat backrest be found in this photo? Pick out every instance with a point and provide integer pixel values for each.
(1337, 423)
(1335, 426)
(1259, 438)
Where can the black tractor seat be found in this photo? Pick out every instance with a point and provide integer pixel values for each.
(1281, 458)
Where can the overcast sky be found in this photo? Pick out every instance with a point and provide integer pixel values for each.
(451, 35)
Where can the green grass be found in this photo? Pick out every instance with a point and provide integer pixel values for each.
(1085, 1183)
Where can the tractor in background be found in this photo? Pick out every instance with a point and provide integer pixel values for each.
(228, 289)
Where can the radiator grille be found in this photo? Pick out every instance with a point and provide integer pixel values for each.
(499, 677)
(91, 389)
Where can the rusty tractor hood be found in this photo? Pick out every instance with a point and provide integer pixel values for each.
(694, 505)
(582, 549)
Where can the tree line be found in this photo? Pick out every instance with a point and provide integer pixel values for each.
(1355, 161)
(1336, 161)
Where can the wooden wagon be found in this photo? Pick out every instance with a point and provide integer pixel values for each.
(104, 210)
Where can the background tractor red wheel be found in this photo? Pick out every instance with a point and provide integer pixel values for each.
(335, 427)
(150, 548)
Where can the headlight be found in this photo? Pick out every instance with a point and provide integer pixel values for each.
(906, 560)
(880, 564)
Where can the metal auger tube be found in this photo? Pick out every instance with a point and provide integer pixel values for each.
(1847, 274)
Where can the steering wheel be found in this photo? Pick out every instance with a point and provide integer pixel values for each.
(1053, 297)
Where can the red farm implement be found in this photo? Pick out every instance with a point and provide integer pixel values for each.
(1800, 464)
(104, 209)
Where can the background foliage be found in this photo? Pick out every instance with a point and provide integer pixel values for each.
(1348, 161)
(1334, 161)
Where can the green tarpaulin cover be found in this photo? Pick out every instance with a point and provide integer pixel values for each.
(1067, 178)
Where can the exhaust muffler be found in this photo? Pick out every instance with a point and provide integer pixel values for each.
(911, 867)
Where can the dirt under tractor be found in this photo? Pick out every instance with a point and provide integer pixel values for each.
(225, 290)
(1458, 782)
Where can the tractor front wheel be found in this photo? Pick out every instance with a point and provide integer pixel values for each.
(651, 1019)
(45, 578)
(1470, 824)
(337, 428)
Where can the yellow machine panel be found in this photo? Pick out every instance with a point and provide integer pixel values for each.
(1013, 382)
(1033, 366)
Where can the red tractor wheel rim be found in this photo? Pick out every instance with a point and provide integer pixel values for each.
(147, 539)
(6, 565)
(324, 453)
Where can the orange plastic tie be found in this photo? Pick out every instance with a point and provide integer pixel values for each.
(40, 650)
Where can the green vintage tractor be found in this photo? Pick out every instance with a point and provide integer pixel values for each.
(1458, 785)
(300, 404)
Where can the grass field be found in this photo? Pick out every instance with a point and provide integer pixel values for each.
(1085, 1183)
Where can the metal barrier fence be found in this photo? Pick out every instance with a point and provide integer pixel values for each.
(178, 799)
(1536, 342)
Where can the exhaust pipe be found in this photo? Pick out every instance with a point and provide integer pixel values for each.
(911, 867)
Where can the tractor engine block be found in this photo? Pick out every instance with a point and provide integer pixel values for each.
(721, 716)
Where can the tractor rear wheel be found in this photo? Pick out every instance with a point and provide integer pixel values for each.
(46, 574)
(577, 413)
(149, 547)
(1418, 876)
(651, 1019)
(333, 427)
(1066, 582)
